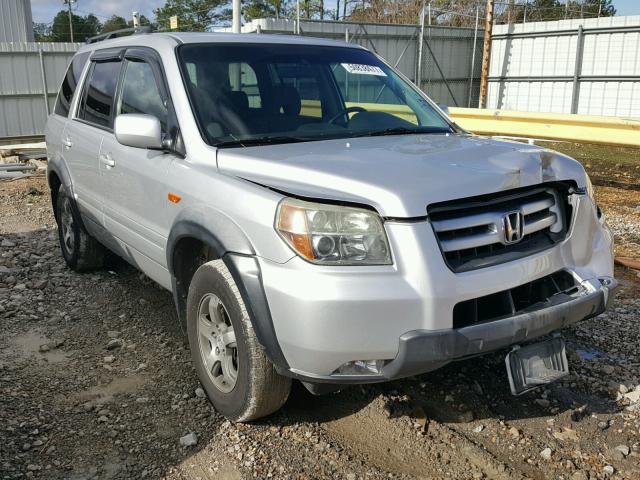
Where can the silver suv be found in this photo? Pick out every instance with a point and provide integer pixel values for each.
(316, 216)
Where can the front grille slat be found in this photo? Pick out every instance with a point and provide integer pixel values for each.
(471, 232)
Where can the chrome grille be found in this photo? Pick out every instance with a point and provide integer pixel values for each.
(478, 232)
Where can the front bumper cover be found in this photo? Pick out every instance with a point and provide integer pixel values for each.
(422, 351)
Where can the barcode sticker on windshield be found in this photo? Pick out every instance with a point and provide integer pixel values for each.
(360, 69)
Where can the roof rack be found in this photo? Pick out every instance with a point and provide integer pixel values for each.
(120, 33)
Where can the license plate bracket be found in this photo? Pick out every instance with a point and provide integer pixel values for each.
(537, 364)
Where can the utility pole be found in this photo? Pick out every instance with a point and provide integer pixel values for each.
(486, 54)
(68, 2)
(236, 16)
(337, 9)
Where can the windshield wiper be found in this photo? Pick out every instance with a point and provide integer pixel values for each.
(404, 131)
(267, 140)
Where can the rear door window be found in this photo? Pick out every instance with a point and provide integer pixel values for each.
(97, 107)
(69, 84)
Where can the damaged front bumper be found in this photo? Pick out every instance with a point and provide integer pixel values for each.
(422, 351)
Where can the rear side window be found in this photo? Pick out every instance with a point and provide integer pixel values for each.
(69, 84)
(97, 107)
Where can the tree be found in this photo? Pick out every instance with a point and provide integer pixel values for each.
(266, 8)
(83, 27)
(114, 23)
(41, 32)
(193, 15)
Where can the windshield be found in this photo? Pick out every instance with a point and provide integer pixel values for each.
(252, 94)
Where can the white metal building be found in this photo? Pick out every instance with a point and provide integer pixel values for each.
(16, 22)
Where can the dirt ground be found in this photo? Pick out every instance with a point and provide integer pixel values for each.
(70, 408)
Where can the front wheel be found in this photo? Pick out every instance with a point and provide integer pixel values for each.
(239, 379)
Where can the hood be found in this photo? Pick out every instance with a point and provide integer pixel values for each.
(398, 175)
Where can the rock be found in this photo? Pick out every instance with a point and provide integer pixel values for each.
(113, 334)
(623, 449)
(103, 419)
(608, 369)
(543, 402)
(608, 470)
(200, 393)
(478, 429)
(43, 348)
(26, 446)
(546, 454)
(580, 475)
(114, 343)
(566, 434)
(189, 440)
(109, 359)
(633, 397)
(32, 468)
(351, 476)
(514, 432)
(7, 243)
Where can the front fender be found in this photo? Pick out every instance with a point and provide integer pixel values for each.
(211, 227)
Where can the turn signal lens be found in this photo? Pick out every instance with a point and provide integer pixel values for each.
(333, 234)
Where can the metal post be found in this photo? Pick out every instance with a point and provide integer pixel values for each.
(236, 16)
(486, 55)
(43, 76)
(473, 55)
(524, 20)
(420, 43)
(346, 34)
(68, 2)
(575, 92)
(337, 10)
(298, 17)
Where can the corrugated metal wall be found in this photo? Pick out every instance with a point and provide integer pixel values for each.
(588, 66)
(446, 53)
(16, 23)
(22, 94)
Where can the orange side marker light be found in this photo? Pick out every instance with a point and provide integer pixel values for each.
(173, 198)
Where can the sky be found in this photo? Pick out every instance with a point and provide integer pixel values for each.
(44, 10)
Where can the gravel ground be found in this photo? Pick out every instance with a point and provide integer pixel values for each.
(96, 382)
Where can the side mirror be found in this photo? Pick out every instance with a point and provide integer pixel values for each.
(138, 130)
(444, 108)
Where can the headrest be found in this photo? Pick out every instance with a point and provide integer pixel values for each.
(239, 101)
(288, 99)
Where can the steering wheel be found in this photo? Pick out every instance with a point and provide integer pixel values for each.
(345, 112)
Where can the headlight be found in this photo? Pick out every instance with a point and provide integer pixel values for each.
(333, 234)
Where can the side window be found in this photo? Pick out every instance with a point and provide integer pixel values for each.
(242, 78)
(140, 92)
(69, 84)
(100, 88)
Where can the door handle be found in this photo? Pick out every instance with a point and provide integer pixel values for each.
(108, 161)
(67, 143)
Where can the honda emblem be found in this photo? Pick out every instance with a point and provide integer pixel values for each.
(513, 223)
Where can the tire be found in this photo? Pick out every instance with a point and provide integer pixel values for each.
(80, 250)
(238, 378)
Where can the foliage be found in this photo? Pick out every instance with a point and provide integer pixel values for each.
(461, 13)
(267, 8)
(83, 27)
(114, 23)
(193, 15)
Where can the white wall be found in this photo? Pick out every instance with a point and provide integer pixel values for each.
(605, 54)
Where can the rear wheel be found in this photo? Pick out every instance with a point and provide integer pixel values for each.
(80, 250)
(240, 381)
